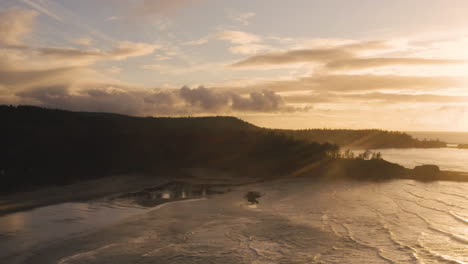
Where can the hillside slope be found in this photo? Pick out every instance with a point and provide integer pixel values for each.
(363, 139)
(43, 146)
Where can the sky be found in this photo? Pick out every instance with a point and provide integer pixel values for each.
(389, 64)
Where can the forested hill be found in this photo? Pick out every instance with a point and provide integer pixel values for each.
(363, 139)
(42, 147)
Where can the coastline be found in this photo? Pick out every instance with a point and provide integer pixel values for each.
(82, 191)
(112, 186)
(119, 184)
(225, 229)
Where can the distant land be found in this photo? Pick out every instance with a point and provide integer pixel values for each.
(46, 147)
(363, 139)
(449, 137)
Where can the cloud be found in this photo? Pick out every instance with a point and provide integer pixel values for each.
(249, 48)
(27, 72)
(372, 97)
(238, 37)
(99, 99)
(235, 37)
(120, 51)
(346, 58)
(296, 56)
(168, 69)
(323, 55)
(15, 56)
(363, 63)
(162, 7)
(379, 82)
(61, 77)
(408, 98)
(41, 7)
(127, 49)
(46, 94)
(27, 78)
(83, 41)
(265, 101)
(197, 42)
(243, 18)
(205, 98)
(70, 53)
(223, 100)
(245, 43)
(113, 70)
(366, 45)
(130, 100)
(364, 82)
(15, 24)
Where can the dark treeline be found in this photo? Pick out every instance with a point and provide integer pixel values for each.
(43, 146)
(463, 146)
(364, 139)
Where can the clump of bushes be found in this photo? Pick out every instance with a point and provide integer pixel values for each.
(252, 197)
(348, 154)
(426, 171)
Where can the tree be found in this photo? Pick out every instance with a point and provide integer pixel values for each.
(377, 156)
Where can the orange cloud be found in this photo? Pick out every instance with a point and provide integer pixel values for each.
(239, 37)
(311, 55)
(365, 82)
(363, 63)
(15, 24)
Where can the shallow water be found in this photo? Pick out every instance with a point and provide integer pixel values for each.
(23, 231)
(31, 230)
(295, 221)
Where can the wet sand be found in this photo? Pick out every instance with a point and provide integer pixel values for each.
(221, 229)
(84, 191)
(111, 186)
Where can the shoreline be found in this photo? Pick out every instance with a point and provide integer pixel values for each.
(109, 187)
(221, 230)
(76, 192)
(21, 257)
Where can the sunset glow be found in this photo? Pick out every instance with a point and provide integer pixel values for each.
(398, 65)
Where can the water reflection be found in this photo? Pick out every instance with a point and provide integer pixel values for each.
(12, 224)
(173, 191)
(27, 231)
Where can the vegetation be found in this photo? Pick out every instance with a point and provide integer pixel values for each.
(44, 147)
(348, 154)
(426, 172)
(463, 146)
(363, 139)
(252, 197)
(361, 169)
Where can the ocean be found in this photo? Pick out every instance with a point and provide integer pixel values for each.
(451, 159)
